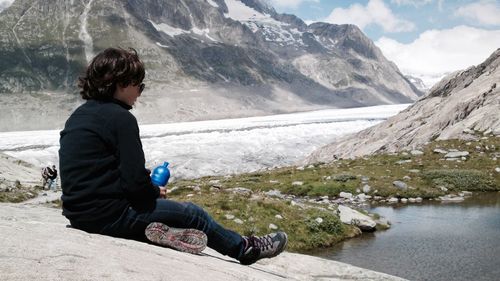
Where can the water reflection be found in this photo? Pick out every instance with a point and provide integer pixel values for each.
(432, 241)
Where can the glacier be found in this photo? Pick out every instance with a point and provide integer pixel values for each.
(221, 147)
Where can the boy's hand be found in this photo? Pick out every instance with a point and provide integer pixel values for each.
(163, 192)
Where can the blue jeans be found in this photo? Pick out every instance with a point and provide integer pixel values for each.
(131, 225)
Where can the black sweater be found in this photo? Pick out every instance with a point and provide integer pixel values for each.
(101, 164)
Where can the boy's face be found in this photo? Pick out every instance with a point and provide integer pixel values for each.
(128, 94)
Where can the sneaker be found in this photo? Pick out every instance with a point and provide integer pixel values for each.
(185, 240)
(267, 246)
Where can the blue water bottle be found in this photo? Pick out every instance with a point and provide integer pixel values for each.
(160, 175)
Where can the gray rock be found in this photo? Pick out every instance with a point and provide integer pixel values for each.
(442, 188)
(497, 169)
(239, 190)
(297, 183)
(393, 200)
(280, 217)
(451, 198)
(272, 226)
(400, 185)
(456, 154)
(346, 195)
(274, 193)
(414, 171)
(238, 221)
(319, 220)
(366, 188)
(400, 162)
(440, 151)
(350, 216)
(416, 152)
(229, 216)
(404, 200)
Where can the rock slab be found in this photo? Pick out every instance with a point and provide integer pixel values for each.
(37, 245)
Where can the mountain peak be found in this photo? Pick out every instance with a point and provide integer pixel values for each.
(204, 55)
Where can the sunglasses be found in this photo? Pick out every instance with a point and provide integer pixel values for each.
(141, 87)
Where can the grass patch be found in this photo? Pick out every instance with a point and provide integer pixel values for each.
(257, 213)
(15, 192)
(459, 180)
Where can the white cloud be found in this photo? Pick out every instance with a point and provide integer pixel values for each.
(290, 3)
(5, 3)
(375, 12)
(438, 52)
(486, 12)
(415, 3)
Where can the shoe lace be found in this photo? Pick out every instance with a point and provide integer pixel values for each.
(263, 243)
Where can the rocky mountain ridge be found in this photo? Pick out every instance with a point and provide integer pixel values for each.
(464, 105)
(205, 59)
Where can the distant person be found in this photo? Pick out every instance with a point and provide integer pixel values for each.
(45, 177)
(52, 177)
(108, 190)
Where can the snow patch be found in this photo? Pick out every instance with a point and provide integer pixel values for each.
(4, 4)
(212, 3)
(161, 45)
(174, 31)
(168, 29)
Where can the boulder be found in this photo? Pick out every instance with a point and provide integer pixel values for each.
(353, 217)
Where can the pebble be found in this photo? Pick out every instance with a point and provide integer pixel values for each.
(404, 200)
(273, 226)
(297, 183)
(319, 220)
(366, 188)
(238, 221)
(229, 216)
(393, 200)
(279, 217)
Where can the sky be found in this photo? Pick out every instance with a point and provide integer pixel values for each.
(425, 38)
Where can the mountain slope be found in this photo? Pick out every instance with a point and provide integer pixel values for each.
(461, 105)
(205, 59)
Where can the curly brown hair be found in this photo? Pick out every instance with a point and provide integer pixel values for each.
(109, 68)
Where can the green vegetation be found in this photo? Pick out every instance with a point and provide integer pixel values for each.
(15, 192)
(258, 212)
